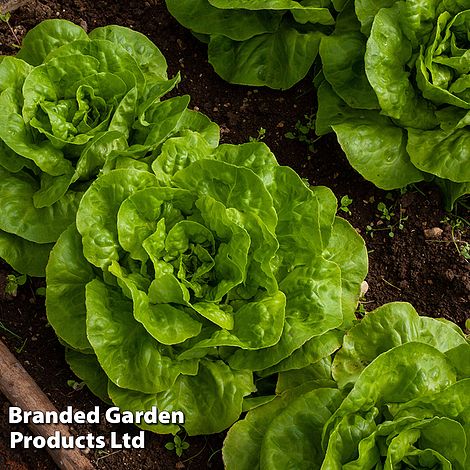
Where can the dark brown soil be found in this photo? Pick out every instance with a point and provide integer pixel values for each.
(419, 264)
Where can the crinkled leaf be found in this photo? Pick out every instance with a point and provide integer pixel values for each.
(211, 401)
(130, 357)
(48, 35)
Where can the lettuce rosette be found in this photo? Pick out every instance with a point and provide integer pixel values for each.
(259, 42)
(396, 92)
(187, 284)
(396, 395)
(69, 103)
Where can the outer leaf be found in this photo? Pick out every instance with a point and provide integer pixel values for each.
(68, 273)
(386, 55)
(278, 60)
(302, 12)
(87, 368)
(383, 329)
(151, 61)
(348, 250)
(245, 439)
(293, 439)
(386, 161)
(423, 371)
(211, 401)
(441, 153)
(201, 17)
(129, 356)
(343, 63)
(47, 36)
(21, 217)
(24, 256)
(295, 202)
(15, 134)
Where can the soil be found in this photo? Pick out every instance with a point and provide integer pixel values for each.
(416, 256)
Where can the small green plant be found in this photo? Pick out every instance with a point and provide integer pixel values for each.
(178, 445)
(5, 17)
(388, 214)
(457, 226)
(304, 131)
(345, 202)
(41, 291)
(13, 282)
(75, 385)
(261, 135)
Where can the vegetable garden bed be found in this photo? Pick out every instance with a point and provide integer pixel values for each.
(417, 252)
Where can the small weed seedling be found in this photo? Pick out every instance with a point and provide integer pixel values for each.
(41, 291)
(303, 132)
(5, 17)
(75, 385)
(261, 135)
(13, 282)
(457, 225)
(387, 215)
(345, 202)
(178, 445)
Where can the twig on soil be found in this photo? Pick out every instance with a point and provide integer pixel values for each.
(4, 328)
(107, 455)
(390, 284)
(21, 390)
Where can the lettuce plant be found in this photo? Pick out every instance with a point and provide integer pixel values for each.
(396, 92)
(183, 283)
(397, 395)
(260, 42)
(69, 103)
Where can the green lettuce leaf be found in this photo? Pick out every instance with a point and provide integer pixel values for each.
(396, 92)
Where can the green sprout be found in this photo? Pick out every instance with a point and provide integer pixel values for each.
(177, 445)
(5, 17)
(261, 135)
(13, 282)
(75, 385)
(345, 202)
(388, 213)
(303, 132)
(457, 225)
(41, 291)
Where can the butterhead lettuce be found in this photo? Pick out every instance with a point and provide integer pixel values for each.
(258, 42)
(396, 395)
(182, 284)
(69, 102)
(395, 91)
